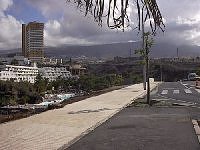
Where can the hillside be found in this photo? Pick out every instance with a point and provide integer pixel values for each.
(109, 51)
(123, 50)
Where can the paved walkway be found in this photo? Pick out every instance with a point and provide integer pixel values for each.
(55, 128)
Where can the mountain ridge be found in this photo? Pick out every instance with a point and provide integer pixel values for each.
(108, 51)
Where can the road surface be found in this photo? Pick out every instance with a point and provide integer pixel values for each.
(151, 128)
(137, 128)
(182, 93)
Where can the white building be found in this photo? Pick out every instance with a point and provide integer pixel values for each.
(53, 73)
(18, 73)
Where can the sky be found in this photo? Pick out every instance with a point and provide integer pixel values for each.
(64, 24)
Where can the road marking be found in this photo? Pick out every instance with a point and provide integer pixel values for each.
(169, 98)
(160, 99)
(183, 104)
(164, 92)
(187, 91)
(198, 90)
(195, 106)
(169, 88)
(185, 85)
(176, 92)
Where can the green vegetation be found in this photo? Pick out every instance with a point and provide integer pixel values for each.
(89, 83)
(13, 93)
(132, 78)
(14, 62)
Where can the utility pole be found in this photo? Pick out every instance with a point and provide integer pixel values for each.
(161, 74)
(177, 53)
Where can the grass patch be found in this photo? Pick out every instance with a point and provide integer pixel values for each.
(141, 102)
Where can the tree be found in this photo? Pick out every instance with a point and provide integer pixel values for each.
(87, 82)
(198, 71)
(148, 43)
(144, 52)
(40, 84)
(14, 62)
(117, 15)
(117, 18)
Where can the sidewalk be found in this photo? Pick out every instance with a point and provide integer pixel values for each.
(55, 128)
(136, 128)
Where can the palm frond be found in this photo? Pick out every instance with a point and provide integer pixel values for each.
(116, 14)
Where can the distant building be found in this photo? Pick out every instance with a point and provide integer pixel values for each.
(33, 41)
(52, 61)
(21, 60)
(118, 59)
(76, 69)
(18, 73)
(6, 60)
(53, 73)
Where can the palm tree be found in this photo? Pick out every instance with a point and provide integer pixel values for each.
(117, 17)
(115, 12)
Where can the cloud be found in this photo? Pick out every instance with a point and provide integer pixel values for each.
(54, 36)
(51, 9)
(181, 21)
(182, 31)
(71, 27)
(5, 4)
(67, 25)
(10, 28)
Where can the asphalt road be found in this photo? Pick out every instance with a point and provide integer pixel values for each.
(183, 93)
(151, 128)
(143, 129)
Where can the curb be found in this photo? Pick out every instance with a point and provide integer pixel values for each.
(197, 129)
(65, 146)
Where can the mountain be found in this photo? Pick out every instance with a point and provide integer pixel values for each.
(10, 52)
(108, 51)
(169, 50)
(123, 50)
(99, 51)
